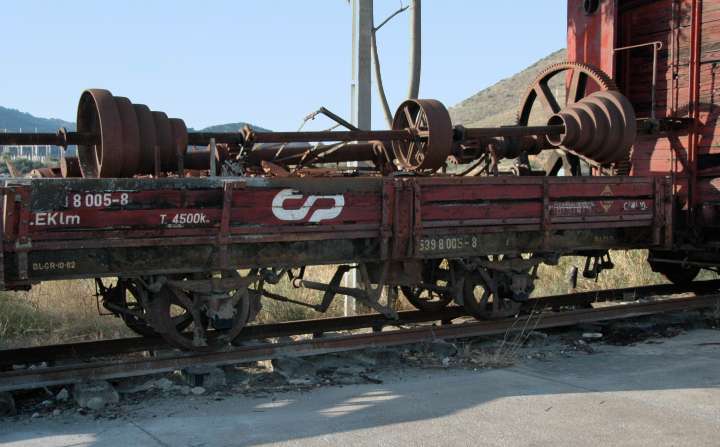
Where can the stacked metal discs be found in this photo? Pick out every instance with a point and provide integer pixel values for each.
(600, 127)
(132, 139)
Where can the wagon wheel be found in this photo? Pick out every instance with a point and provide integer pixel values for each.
(584, 79)
(125, 300)
(485, 298)
(106, 158)
(435, 273)
(680, 274)
(225, 311)
(428, 122)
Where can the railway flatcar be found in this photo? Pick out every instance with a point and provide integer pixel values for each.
(182, 242)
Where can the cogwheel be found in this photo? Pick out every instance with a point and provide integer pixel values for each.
(585, 72)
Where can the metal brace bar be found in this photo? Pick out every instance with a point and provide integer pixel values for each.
(213, 154)
(388, 200)
(417, 219)
(669, 214)
(657, 45)
(3, 196)
(224, 234)
(545, 218)
(397, 193)
(658, 199)
(23, 244)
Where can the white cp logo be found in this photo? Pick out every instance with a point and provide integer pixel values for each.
(282, 213)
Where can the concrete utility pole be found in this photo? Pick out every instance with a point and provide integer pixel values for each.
(360, 86)
(415, 47)
(360, 92)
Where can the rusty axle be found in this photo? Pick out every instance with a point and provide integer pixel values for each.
(65, 139)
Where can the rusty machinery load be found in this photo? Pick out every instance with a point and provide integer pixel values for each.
(117, 138)
(197, 300)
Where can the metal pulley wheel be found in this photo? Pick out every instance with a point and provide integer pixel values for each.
(70, 166)
(429, 124)
(180, 141)
(600, 127)
(146, 125)
(164, 140)
(127, 137)
(130, 136)
(98, 114)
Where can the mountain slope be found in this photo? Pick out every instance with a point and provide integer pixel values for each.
(498, 104)
(233, 127)
(14, 120)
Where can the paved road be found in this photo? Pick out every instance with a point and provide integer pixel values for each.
(651, 394)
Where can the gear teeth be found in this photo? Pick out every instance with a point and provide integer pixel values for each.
(600, 77)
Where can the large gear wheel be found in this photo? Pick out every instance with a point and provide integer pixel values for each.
(580, 74)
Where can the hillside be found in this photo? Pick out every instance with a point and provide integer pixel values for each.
(498, 104)
(14, 120)
(233, 127)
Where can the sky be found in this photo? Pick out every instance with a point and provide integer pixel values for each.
(261, 61)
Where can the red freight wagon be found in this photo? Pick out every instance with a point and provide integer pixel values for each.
(663, 55)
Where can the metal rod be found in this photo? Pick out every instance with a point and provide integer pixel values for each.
(213, 156)
(200, 159)
(337, 118)
(657, 46)
(349, 135)
(203, 138)
(512, 131)
(50, 139)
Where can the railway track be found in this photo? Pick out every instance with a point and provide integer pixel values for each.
(93, 349)
(92, 360)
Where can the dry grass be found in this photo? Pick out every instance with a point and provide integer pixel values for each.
(631, 269)
(55, 312)
(66, 311)
(274, 311)
(506, 352)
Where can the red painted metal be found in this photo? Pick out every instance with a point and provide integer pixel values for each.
(687, 151)
(591, 35)
(68, 228)
(694, 103)
(55, 225)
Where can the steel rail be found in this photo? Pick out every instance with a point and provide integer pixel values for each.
(107, 370)
(100, 348)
